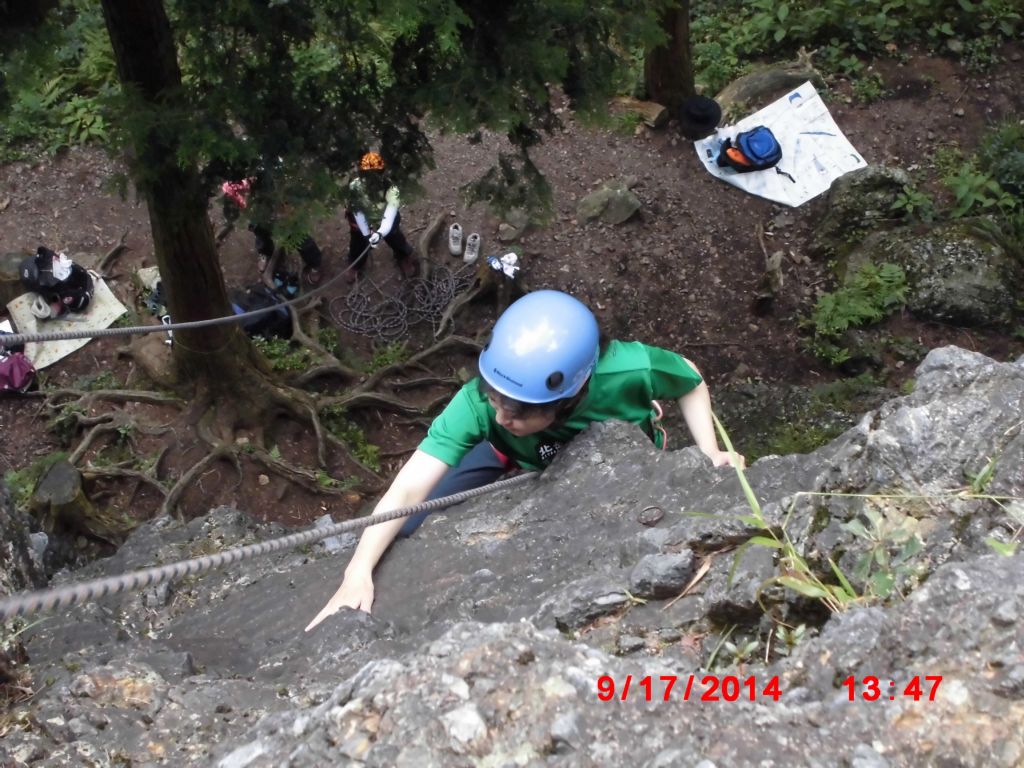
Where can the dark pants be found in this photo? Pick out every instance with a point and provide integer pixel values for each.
(480, 466)
(308, 250)
(359, 242)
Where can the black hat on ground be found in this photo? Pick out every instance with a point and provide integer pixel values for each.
(698, 117)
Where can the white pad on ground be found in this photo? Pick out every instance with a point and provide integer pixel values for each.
(103, 310)
(814, 151)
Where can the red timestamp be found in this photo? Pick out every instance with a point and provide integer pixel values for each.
(683, 688)
(871, 688)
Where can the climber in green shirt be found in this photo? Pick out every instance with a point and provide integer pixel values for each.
(544, 377)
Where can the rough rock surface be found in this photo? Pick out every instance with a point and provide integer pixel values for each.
(495, 622)
(858, 203)
(613, 203)
(20, 565)
(956, 271)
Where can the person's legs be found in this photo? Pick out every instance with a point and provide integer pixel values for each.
(408, 262)
(264, 245)
(357, 244)
(480, 466)
(311, 254)
(312, 257)
(396, 240)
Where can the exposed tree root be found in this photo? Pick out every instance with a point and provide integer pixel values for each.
(428, 381)
(218, 452)
(119, 472)
(87, 399)
(112, 255)
(251, 400)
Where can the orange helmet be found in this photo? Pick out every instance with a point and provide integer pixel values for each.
(371, 161)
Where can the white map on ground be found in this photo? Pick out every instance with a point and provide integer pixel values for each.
(814, 151)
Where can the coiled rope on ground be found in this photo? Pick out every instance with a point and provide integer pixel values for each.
(371, 310)
(28, 603)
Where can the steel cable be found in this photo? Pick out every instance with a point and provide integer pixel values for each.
(28, 603)
(17, 339)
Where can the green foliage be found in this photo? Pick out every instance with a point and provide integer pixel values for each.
(336, 421)
(64, 424)
(328, 338)
(727, 33)
(975, 191)
(626, 123)
(981, 54)
(771, 26)
(1001, 154)
(795, 573)
(868, 88)
(914, 204)
(871, 295)
(284, 355)
(386, 355)
(980, 481)
(790, 638)
(893, 543)
(59, 80)
(22, 482)
(741, 650)
(1015, 513)
(93, 382)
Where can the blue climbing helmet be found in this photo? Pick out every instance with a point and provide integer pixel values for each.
(543, 348)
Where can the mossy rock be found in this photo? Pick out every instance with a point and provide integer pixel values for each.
(613, 203)
(763, 85)
(779, 420)
(858, 204)
(957, 272)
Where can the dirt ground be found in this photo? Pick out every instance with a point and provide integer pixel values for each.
(682, 274)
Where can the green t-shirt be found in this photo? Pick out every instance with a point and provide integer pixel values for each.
(628, 376)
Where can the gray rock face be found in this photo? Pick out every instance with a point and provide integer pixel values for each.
(956, 272)
(20, 562)
(858, 203)
(496, 622)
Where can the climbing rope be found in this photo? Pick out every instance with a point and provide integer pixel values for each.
(372, 310)
(28, 603)
(17, 339)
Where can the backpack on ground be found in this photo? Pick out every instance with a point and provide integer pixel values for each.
(17, 374)
(66, 286)
(753, 150)
(268, 325)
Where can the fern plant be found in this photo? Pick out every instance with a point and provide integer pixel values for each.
(873, 293)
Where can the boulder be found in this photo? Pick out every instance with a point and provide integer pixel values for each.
(957, 272)
(763, 85)
(613, 203)
(858, 203)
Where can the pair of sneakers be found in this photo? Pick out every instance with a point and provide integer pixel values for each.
(472, 251)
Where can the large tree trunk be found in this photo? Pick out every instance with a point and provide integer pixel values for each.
(668, 69)
(147, 64)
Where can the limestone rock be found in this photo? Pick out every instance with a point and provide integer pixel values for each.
(957, 272)
(858, 202)
(493, 624)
